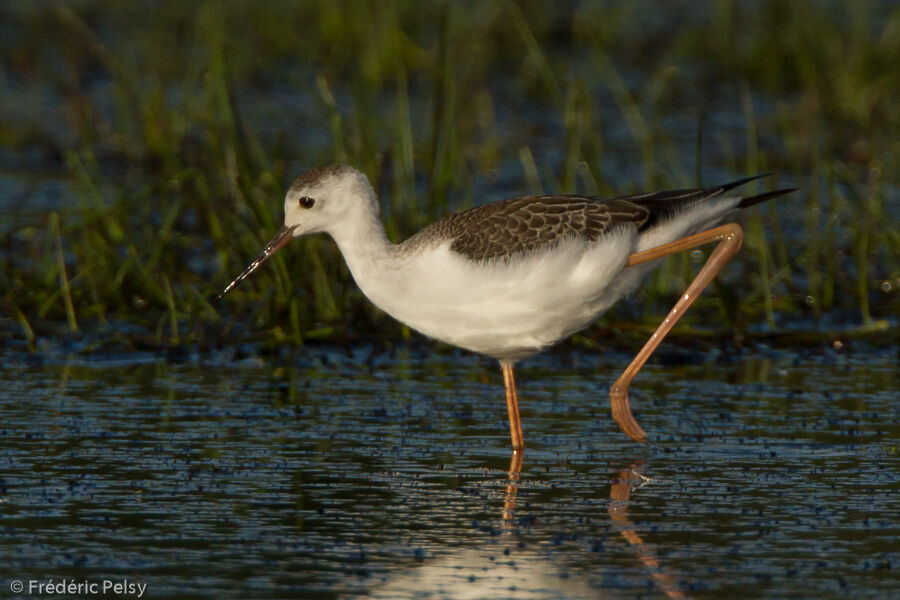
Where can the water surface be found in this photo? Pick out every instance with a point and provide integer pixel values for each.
(358, 474)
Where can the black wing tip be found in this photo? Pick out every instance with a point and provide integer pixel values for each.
(758, 198)
(730, 186)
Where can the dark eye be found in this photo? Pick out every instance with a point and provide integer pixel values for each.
(307, 202)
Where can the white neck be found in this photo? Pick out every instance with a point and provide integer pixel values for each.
(366, 249)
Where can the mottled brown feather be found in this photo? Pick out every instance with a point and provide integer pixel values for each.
(516, 226)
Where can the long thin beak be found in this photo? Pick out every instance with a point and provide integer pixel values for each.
(284, 235)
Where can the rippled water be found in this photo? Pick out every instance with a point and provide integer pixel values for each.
(333, 474)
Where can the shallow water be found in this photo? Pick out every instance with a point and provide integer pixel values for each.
(357, 474)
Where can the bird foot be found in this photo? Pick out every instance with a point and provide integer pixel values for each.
(621, 411)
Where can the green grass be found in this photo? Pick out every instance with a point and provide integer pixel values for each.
(177, 129)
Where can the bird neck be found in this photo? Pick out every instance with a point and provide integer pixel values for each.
(362, 241)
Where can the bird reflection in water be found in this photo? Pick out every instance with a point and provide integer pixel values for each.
(619, 497)
(490, 570)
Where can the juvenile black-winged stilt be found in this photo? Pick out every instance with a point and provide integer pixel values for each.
(511, 278)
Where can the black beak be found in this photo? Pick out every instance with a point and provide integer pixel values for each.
(284, 235)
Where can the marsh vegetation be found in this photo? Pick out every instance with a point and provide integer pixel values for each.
(145, 153)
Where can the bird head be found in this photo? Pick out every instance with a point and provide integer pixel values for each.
(317, 201)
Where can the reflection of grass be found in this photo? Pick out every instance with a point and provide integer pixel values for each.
(159, 124)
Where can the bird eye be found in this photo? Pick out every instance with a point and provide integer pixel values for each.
(307, 202)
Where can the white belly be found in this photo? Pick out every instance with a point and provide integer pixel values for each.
(507, 310)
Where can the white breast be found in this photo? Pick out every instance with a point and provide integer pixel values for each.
(507, 310)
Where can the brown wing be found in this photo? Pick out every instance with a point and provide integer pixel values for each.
(522, 225)
(527, 224)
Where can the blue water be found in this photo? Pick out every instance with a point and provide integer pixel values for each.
(335, 473)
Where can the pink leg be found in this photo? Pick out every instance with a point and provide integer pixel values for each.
(729, 237)
(512, 405)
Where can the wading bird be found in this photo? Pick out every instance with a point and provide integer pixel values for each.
(511, 278)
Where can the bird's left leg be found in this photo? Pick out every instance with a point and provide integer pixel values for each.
(729, 237)
(512, 406)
